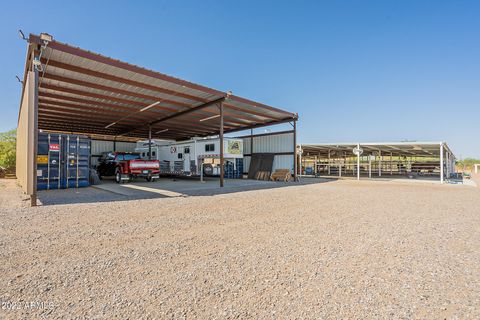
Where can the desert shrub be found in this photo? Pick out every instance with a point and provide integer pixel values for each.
(8, 150)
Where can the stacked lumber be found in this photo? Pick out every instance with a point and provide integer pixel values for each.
(281, 175)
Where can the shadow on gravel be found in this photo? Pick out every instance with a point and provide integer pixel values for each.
(108, 190)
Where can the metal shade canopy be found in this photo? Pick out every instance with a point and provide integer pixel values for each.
(435, 151)
(407, 149)
(70, 90)
(83, 92)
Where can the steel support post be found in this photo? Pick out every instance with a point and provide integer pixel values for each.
(149, 142)
(222, 168)
(295, 150)
(33, 196)
(370, 166)
(251, 147)
(380, 163)
(251, 143)
(328, 162)
(300, 160)
(448, 164)
(441, 163)
(391, 164)
(358, 162)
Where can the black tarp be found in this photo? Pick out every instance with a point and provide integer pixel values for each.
(260, 162)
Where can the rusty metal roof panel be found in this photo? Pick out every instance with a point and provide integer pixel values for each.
(86, 63)
(81, 91)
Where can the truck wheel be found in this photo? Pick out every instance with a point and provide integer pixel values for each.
(118, 177)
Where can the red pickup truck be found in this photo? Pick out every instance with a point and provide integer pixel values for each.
(127, 170)
(127, 166)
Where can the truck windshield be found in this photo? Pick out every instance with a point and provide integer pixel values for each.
(132, 156)
(107, 156)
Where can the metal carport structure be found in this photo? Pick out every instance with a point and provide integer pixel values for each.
(71, 90)
(389, 158)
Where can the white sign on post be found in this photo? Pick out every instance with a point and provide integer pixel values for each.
(357, 151)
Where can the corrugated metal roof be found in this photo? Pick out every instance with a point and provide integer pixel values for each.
(81, 91)
(410, 148)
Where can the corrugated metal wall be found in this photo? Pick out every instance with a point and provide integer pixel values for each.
(126, 146)
(282, 142)
(99, 146)
(271, 143)
(25, 165)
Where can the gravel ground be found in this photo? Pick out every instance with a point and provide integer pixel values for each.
(344, 249)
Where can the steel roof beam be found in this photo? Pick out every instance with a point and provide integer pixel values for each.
(138, 121)
(179, 114)
(126, 111)
(231, 118)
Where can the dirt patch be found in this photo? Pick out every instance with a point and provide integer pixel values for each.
(343, 249)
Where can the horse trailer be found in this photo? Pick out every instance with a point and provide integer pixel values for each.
(190, 157)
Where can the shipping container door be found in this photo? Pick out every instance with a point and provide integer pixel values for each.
(77, 161)
(49, 161)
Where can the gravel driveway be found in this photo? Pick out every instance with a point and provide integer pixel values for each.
(344, 249)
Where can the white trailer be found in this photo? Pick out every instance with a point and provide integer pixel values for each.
(189, 157)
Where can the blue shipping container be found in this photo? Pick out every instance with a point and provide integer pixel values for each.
(63, 161)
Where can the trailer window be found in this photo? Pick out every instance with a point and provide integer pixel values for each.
(210, 147)
(186, 150)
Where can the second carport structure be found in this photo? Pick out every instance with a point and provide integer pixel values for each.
(430, 160)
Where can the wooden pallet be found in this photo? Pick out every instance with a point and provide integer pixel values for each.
(281, 175)
(262, 175)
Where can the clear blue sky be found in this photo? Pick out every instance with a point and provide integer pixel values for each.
(353, 70)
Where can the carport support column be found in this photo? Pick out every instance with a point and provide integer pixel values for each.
(391, 170)
(449, 164)
(358, 162)
(370, 166)
(34, 92)
(251, 144)
(149, 142)
(379, 163)
(441, 162)
(295, 150)
(328, 162)
(300, 160)
(222, 169)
